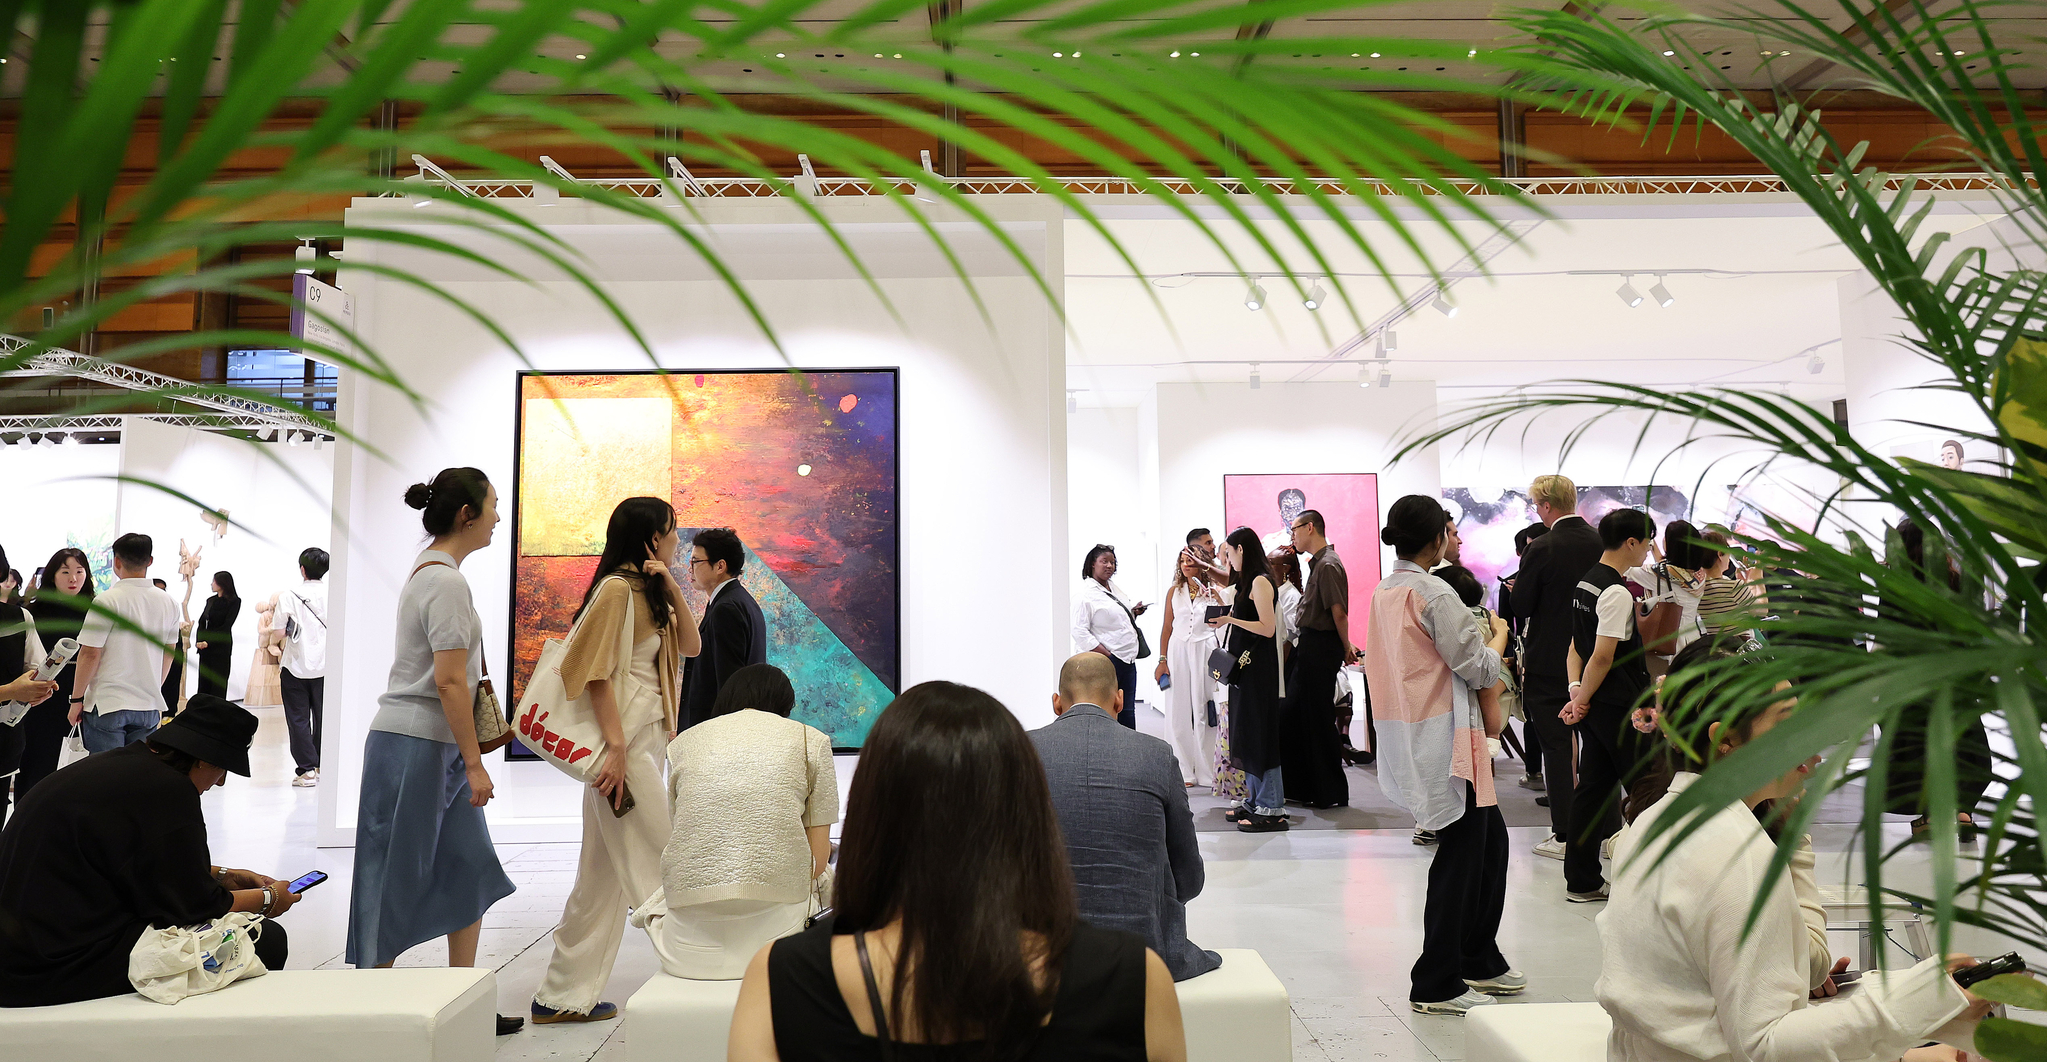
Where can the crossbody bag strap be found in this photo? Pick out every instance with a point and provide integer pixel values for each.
(485, 657)
(881, 1032)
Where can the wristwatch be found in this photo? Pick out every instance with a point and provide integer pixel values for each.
(268, 899)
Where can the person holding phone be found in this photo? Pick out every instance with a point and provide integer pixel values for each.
(424, 863)
(1103, 622)
(1186, 688)
(116, 843)
(1695, 967)
(625, 819)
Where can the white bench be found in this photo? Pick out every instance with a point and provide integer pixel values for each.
(442, 1015)
(1237, 1012)
(1536, 1032)
(1234, 1013)
(673, 1020)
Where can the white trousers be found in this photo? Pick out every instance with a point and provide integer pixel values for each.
(715, 941)
(620, 866)
(1186, 708)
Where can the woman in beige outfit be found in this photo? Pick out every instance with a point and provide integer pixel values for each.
(755, 796)
(625, 810)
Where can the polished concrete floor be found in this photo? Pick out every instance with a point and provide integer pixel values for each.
(1336, 913)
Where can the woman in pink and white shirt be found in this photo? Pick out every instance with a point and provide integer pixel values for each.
(1426, 660)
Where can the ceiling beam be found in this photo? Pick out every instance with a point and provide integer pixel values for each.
(70, 363)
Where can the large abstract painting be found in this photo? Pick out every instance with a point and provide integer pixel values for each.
(1349, 504)
(1487, 519)
(802, 465)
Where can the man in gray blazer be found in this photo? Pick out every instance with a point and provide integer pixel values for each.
(1124, 814)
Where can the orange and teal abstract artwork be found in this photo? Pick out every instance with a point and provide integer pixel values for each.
(803, 465)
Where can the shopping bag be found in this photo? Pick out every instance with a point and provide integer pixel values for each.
(73, 750)
(564, 730)
(168, 965)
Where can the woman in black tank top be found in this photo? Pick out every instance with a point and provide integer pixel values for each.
(951, 867)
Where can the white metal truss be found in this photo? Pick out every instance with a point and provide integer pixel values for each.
(113, 422)
(757, 188)
(70, 363)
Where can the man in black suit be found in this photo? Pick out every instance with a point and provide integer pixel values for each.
(733, 631)
(1542, 593)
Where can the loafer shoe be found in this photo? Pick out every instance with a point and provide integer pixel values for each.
(509, 1024)
(549, 1015)
(1551, 847)
(1596, 896)
(1423, 837)
(1535, 782)
(1455, 1008)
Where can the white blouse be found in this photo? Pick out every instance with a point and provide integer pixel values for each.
(1100, 618)
(1683, 985)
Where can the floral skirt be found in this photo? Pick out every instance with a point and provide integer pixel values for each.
(1229, 781)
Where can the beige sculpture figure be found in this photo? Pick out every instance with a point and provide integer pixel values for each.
(174, 683)
(265, 689)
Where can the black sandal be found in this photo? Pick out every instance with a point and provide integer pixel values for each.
(1237, 815)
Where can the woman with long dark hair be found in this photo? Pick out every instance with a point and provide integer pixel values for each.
(1257, 686)
(59, 607)
(956, 932)
(216, 637)
(424, 863)
(632, 595)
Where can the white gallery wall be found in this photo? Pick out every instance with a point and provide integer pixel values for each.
(280, 495)
(982, 444)
(58, 496)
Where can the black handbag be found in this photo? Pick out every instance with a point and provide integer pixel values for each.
(1223, 665)
(1143, 646)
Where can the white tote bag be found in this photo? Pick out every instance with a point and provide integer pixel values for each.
(564, 731)
(168, 965)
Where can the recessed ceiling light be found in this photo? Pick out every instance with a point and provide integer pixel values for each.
(1375, 55)
(1668, 51)
(779, 55)
(580, 55)
(1175, 55)
(1196, 55)
(1058, 55)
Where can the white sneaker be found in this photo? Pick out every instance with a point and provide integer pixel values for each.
(1606, 849)
(1596, 896)
(1511, 983)
(1455, 1008)
(1551, 847)
(307, 780)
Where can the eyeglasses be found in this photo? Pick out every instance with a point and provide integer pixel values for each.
(694, 561)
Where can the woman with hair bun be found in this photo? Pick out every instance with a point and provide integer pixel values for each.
(1427, 660)
(424, 863)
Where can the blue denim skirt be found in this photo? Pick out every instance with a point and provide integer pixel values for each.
(424, 864)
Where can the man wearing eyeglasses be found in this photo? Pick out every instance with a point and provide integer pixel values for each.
(733, 630)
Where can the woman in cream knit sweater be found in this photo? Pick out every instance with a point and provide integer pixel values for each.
(755, 796)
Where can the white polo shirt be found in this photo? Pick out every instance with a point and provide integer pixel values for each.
(130, 677)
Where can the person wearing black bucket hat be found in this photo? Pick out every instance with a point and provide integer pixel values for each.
(70, 912)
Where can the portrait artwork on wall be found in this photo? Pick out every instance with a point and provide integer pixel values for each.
(1488, 517)
(803, 465)
(1349, 504)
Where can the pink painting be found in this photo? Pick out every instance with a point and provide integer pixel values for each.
(1349, 504)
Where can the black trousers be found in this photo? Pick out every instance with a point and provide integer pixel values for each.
(1610, 753)
(1311, 756)
(1467, 892)
(1126, 680)
(214, 662)
(273, 946)
(305, 702)
(1541, 699)
(43, 733)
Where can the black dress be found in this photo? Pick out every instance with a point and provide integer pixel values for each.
(44, 729)
(97, 853)
(1254, 695)
(1098, 1015)
(13, 661)
(216, 629)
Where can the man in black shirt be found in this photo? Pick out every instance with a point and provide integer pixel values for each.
(1609, 673)
(1541, 596)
